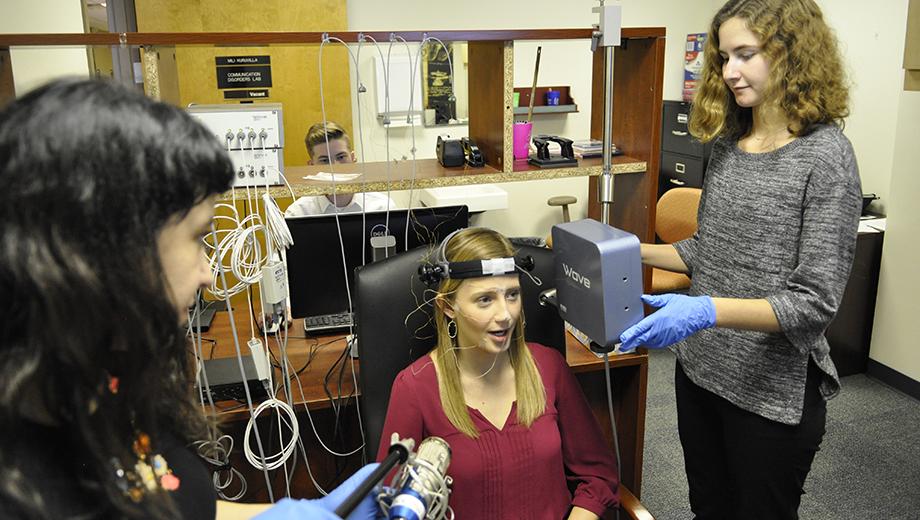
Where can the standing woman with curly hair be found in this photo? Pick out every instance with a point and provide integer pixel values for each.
(769, 262)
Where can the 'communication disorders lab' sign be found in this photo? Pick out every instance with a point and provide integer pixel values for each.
(244, 72)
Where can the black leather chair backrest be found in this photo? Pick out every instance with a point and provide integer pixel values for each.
(389, 291)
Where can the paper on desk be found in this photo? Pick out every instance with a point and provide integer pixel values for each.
(328, 177)
(878, 223)
(864, 227)
(872, 226)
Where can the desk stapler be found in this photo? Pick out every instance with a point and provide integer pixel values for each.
(544, 159)
(472, 153)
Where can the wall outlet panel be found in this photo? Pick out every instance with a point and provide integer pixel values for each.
(253, 136)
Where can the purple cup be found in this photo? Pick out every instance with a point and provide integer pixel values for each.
(522, 139)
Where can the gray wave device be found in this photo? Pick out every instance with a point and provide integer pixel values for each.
(598, 279)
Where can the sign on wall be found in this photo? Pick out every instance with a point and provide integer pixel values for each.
(244, 72)
(257, 93)
(438, 83)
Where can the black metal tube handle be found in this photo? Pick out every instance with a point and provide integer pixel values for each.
(398, 454)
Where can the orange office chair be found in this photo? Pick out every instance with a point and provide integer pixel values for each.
(675, 220)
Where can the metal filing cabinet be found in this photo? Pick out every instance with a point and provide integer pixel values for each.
(683, 158)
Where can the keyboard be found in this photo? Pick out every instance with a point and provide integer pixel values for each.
(328, 323)
(236, 392)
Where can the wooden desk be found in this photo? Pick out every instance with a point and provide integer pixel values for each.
(629, 374)
(327, 350)
(629, 380)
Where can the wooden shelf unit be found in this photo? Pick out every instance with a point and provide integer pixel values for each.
(638, 78)
(547, 109)
(566, 103)
(636, 114)
(429, 174)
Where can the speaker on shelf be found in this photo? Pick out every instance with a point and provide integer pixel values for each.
(450, 152)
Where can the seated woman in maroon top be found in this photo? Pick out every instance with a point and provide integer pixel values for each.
(518, 425)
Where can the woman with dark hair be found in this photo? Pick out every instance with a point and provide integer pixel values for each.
(104, 198)
(769, 262)
(520, 431)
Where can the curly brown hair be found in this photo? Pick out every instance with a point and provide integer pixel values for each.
(807, 78)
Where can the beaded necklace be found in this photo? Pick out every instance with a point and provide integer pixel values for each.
(150, 472)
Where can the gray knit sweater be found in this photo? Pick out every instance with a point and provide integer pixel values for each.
(779, 225)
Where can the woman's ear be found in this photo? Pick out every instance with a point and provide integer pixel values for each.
(445, 306)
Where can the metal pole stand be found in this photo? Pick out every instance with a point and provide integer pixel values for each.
(607, 35)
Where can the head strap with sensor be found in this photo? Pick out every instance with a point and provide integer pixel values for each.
(433, 273)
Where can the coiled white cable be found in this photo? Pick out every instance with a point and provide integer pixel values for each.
(237, 251)
(217, 453)
(277, 232)
(216, 449)
(272, 461)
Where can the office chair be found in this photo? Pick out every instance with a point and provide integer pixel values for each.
(675, 220)
(388, 291)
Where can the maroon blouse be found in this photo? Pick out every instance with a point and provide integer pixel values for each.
(515, 471)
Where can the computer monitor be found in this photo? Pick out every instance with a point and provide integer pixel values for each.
(316, 274)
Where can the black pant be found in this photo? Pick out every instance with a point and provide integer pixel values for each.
(739, 464)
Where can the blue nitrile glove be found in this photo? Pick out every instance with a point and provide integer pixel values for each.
(679, 316)
(322, 508)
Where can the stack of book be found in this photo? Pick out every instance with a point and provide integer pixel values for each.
(587, 148)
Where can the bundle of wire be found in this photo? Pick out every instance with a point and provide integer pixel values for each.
(235, 247)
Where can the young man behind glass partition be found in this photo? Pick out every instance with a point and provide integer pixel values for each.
(338, 151)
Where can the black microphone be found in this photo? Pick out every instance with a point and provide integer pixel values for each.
(425, 486)
(398, 453)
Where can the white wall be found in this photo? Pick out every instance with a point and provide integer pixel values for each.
(563, 63)
(871, 36)
(894, 334)
(34, 66)
(883, 126)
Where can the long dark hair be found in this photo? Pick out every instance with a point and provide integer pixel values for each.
(90, 172)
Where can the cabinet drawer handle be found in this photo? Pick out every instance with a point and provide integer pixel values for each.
(678, 133)
(680, 167)
(677, 182)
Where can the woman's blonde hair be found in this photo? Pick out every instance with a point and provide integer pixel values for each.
(807, 77)
(481, 244)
